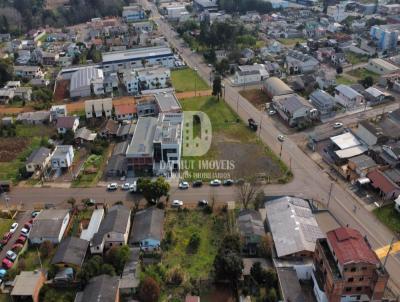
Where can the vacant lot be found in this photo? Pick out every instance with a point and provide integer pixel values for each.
(187, 80)
(255, 96)
(344, 80)
(389, 216)
(232, 141)
(91, 171)
(354, 58)
(10, 147)
(362, 73)
(5, 225)
(291, 41)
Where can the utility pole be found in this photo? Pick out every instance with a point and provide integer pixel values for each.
(330, 194)
(259, 131)
(280, 152)
(237, 105)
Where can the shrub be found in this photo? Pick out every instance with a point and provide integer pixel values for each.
(194, 243)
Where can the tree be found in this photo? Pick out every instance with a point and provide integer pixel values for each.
(222, 66)
(194, 243)
(68, 137)
(118, 256)
(71, 201)
(149, 290)
(266, 245)
(154, 190)
(272, 296)
(231, 242)
(368, 81)
(46, 249)
(258, 273)
(108, 269)
(6, 71)
(339, 70)
(217, 87)
(247, 190)
(228, 265)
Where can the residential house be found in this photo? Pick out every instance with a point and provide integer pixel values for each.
(337, 12)
(65, 123)
(125, 112)
(348, 97)
(147, 229)
(345, 146)
(49, 225)
(273, 69)
(324, 53)
(298, 62)
(6, 95)
(370, 134)
(110, 129)
(289, 284)
(387, 188)
(103, 288)
(205, 5)
(381, 66)
(28, 72)
(130, 279)
(38, 160)
(293, 227)
(375, 96)
(294, 109)
(98, 108)
(113, 231)
(274, 86)
(84, 135)
(323, 102)
(338, 59)
(149, 78)
(248, 74)
(23, 93)
(94, 225)
(57, 111)
(71, 252)
(26, 286)
(86, 81)
(251, 230)
(116, 164)
(33, 118)
(346, 268)
(49, 58)
(326, 78)
(359, 166)
(62, 157)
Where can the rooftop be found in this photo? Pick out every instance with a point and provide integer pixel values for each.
(345, 140)
(72, 250)
(385, 64)
(38, 156)
(347, 91)
(94, 224)
(26, 283)
(147, 224)
(168, 102)
(142, 140)
(102, 288)
(382, 182)
(66, 122)
(136, 54)
(85, 76)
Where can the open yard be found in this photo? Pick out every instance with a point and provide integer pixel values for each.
(255, 96)
(232, 141)
(187, 80)
(361, 73)
(340, 79)
(354, 58)
(389, 216)
(291, 41)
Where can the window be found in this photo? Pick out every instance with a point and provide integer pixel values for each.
(350, 280)
(361, 279)
(353, 269)
(348, 289)
(359, 288)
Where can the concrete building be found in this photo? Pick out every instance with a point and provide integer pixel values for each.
(337, 12)
(385, 36)
(248, 74)
(348, 97)
(323, 102)
(98, 108)
(133, 13)
(347, 269)
(298, 62)
(381, 66)
(86, 81)
(147, 79)
(62, 157)
(28, 72)
(139, 57)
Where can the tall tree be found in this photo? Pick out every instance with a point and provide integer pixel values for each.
(217, 87)
(154, 190)
(149, 290)
(247, 191)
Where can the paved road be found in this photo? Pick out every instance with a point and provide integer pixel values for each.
(309, 179)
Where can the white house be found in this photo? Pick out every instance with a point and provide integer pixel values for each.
(65, 123)
(298, 62)
(381, 66)
(250, 74)
(57, 111)
(98, 108)
(62, 157)
(49, 225)
(348, 97)
(147, 79)
(86, 81)
(38, 160)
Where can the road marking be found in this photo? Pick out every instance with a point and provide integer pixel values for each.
(382, 252)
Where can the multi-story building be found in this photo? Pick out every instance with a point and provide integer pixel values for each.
(347, 269)
(348, 97)
(147, 78)
(139, 57)
(337, 12)
(133, 13)
(386, 36)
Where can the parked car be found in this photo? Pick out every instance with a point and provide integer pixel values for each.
(227, 182)
(337, 125)
(133, 187)
(197, 184)
(25, 232)
(14, 227)
(3, 272)
(21, 239)
(281, 138)
(271, 112)
(112, 186)
(7, 264)
(11, 255)
(6, 238)
(90, 202)
(125, 186)
(177, 203)
(34, 214)
(183, 185)
(202, 203)
(17, 246)
(28, 225)
(252, 124)
(215, 183)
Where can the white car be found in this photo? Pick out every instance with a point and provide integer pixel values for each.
(133, 187)
(215, 183)
(14, 227)
(11, 255)
(271, 112)
(183, 185)
(337, 125)
(125, 186)
(25, 232)
(112, 186)
(177, 203)
(281, 138)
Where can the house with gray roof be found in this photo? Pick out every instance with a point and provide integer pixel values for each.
(116, 164)
(84, 135)
(147, 229)
(293, 109)
(85, 81)
(130, 279)
(348, 97)
(33, 118)
(103, 288)
(113, 230)
(71, 252)
(323, 102)
(251, 230)
(38, 160)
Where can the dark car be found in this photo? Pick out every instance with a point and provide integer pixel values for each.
(202, 203)
(227, 182)
(197, 184)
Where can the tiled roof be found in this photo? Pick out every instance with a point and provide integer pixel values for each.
(350, 246)
(125, 109)
(379, 180)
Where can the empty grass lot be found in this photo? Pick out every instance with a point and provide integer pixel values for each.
(354, 58)
(343, 80)
(183, 224)
(291, 41)
(361, 73)
(94, 163)
(5, 225)
(389, 216)
(187, 80)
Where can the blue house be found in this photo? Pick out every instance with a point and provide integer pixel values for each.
(133, 13)
(147, 229)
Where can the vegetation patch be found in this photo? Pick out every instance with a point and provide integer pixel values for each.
(5, 225)
(362, 73)
(255, 96)
(344, 80)
(291, 41)
(187, 80)
(389, 216)
(354, 58)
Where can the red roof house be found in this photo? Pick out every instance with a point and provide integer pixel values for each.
(387, 188)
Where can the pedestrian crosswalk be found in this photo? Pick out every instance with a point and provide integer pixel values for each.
(382, 252)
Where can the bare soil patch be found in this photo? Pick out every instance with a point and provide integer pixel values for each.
(255, 96)
(10, 148)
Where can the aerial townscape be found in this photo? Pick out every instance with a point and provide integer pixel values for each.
(200, 150)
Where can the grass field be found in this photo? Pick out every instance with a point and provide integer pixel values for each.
(354, 58)
(389, 216)
(95, 162)
(183, 224)
(291, 41)
(5, 225)
(343, 80)
(187, 80)
(34, 130)
(361, 73)
(232, 141)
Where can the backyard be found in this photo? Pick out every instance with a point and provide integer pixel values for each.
(232, 141)
(342, 79)
(362, 73)
(187, 80)
(291, 41)
(354, 58)
(389, 216)
(91, 171)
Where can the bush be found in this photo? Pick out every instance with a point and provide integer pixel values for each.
(194, 243)
(175, 276)
(149, 290)
(46, 249)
